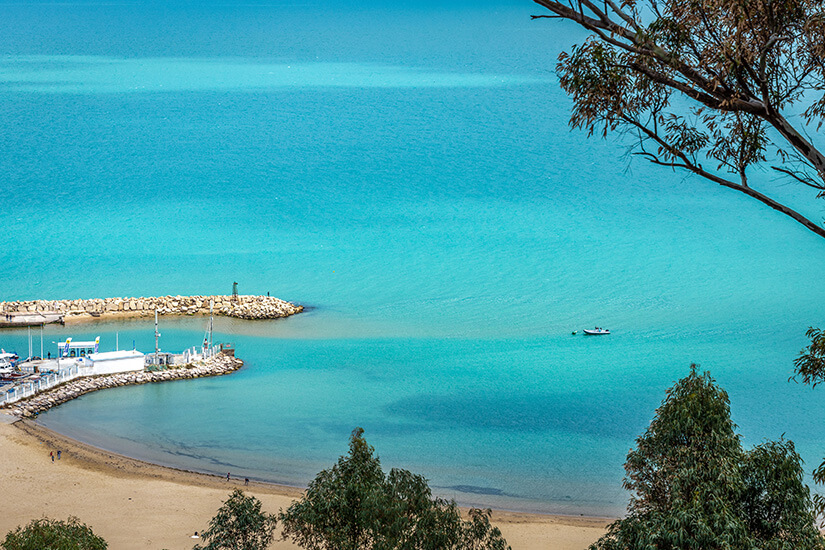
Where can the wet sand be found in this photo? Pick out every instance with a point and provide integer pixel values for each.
(137, 505)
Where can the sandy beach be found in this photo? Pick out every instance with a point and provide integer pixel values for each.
(136, 505)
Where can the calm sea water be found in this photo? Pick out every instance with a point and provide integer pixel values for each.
(408, 175)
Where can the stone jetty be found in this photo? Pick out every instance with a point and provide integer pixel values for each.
(218, 365)
(241, 307)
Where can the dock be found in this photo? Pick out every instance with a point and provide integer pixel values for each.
(31, 398)
(14, 320)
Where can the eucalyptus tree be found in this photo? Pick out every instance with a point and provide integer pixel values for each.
(53, 534)
(736, 82)
(240, 524)
(694, 487)
(810, 367)
(355, 506)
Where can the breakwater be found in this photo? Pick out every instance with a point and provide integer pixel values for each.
(215, 366)
(242, 307)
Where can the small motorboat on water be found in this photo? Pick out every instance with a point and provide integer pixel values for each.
(596, 331)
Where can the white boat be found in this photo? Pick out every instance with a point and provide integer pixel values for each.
(595, 331)
(7, 362)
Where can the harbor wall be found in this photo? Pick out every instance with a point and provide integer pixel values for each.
(218, 365)
(242, 307)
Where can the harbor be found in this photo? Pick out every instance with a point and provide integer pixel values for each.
(35, 384)
(31, 398)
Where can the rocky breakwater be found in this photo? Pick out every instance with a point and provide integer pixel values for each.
(242, 307)
(216, 366)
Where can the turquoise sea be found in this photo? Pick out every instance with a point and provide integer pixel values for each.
(407, 173)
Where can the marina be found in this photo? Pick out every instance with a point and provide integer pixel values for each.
(75, 359)
(52, 389)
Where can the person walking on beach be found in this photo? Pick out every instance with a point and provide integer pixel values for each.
(58, 455)
(246, 481)
(51, 454)
(227, 476)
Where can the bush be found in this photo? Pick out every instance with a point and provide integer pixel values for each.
(52, 534)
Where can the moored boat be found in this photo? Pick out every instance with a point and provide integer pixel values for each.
(7, 362)
(596, 331)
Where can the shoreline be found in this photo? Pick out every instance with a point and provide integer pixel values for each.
(195, 496)
(113, 463)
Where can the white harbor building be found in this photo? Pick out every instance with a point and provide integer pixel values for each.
(91, 362)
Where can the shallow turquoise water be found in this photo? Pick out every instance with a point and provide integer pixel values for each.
(407, 174)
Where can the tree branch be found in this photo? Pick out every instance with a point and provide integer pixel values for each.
(804, 179)
(635, 44)
(751, 192)
(750, 60)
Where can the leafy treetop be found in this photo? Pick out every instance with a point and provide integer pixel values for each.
(745, 66)
(53, 534)
(239, 525)
(354, 506)
(694, 487)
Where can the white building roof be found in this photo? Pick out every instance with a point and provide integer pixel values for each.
(114, 355)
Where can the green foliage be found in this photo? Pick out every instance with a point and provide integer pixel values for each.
(52, 534)
(354, 506)
(810, 364)
(479, 534)
(687, 79)
(239, 525)
(776, 501)
(694, 487)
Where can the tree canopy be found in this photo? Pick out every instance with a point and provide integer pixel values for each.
(810, 366)
(355, 506)
(694, 487)
(52, 534)
(239, 525)
(752, 75)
